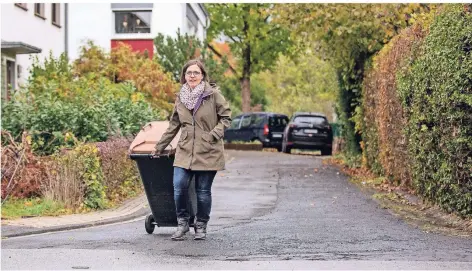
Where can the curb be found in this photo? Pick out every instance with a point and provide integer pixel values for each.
(17, 231)
(243, 147)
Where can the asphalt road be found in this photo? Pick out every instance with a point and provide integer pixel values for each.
(270, 211)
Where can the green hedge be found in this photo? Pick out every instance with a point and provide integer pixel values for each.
(91, 114)
(436, 92)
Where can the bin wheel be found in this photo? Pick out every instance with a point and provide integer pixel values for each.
(149, 224)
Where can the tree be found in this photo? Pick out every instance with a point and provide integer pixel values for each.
(306, 85)
(348, 35)
(123, 64)
(255, 39)
(172, 53)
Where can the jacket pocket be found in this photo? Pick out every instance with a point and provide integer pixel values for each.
(183, 138)
(208, 138)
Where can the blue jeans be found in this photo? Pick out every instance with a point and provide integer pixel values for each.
(203, 182)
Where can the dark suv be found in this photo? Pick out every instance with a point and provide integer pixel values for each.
(308, 131)
(268, 128)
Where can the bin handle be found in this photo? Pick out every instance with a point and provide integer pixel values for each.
(149, 124)
(159, 155)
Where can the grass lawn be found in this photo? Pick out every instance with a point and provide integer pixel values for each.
(17, 208)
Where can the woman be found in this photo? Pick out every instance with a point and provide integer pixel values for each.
(202, 113)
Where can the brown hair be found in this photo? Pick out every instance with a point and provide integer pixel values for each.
(190, 63)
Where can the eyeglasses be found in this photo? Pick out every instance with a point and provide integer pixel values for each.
(195, 73)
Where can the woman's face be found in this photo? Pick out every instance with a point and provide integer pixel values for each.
(193, 76)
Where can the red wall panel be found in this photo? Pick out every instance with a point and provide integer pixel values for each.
(137, 45)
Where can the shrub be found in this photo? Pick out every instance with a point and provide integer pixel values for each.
(76, 177)
(123, 64)
(22, 172)
(121, 177)
(437, 94)
(385, 143)
(92, 113)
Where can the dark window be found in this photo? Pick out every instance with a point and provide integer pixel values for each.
(39, 10)
(56, 14)
(246, 122)
(235, 123)
(133, 21)
(257, 120)
(278, 121)
(10, 78)
(310, 120)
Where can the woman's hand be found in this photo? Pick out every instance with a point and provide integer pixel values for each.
(155, 153)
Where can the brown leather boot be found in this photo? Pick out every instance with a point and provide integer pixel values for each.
(200, 230)
(182, 229)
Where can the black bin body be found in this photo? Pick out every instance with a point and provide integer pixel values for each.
(157, 177)
(157, 174)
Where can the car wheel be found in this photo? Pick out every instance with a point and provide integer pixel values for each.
(326, 151)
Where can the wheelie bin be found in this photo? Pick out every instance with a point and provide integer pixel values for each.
(157, 176)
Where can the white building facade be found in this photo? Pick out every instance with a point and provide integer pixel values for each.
(38, 29)
(29, 29)
(137, 24)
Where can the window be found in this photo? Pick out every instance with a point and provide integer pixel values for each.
(278, 122)
(192, 21)
(132, 22)
(39, 10)
(11, 78)
(191, 28)
(311, 120)
(257, 120)
(235, 123)
(246, 122)
(21, 5)
(56, 14)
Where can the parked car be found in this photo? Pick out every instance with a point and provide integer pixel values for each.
(268, 128)
(308, 131)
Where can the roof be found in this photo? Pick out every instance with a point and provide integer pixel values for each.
(309, 114)
(262, 113)
(18, 47)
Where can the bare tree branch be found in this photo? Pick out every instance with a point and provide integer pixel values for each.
(221, 56)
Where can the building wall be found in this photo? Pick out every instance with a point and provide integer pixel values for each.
(167, 18)
(23, 26)
(96, 22)
(137, 45)
(89, 22)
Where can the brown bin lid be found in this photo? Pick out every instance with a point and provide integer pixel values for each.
(149, 135)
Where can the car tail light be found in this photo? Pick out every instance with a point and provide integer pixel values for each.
(293, 126)
(266, 129)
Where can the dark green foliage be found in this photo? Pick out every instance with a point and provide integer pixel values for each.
(90, 110)
(172, 54)
(437, 94)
